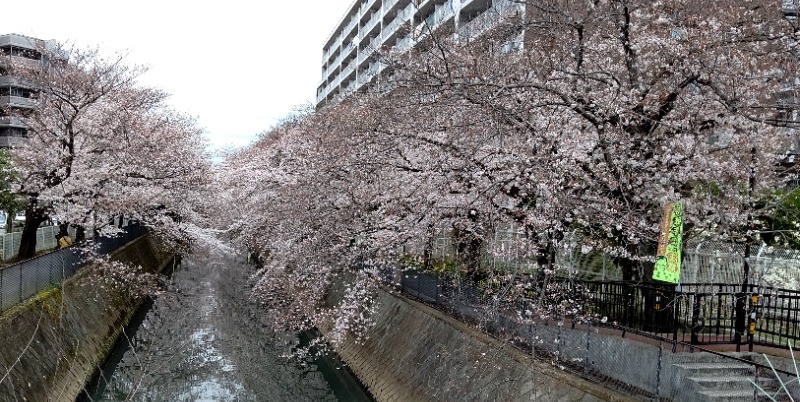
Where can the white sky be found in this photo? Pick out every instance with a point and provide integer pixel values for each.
(236, 65)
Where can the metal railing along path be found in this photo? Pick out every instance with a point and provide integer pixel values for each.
(21, 281)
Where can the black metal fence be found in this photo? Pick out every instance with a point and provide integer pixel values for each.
(20, 281)
(698, 314)
(568, 329)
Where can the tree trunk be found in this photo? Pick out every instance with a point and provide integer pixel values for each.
(33, 218)
(469, 247)
(427, 252)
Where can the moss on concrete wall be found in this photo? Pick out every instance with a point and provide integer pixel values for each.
(54, 342)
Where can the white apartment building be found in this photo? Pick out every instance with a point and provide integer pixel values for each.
(16, 97)
(349, 58)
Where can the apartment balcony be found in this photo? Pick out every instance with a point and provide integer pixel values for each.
(334, 51)
(321, 96)
(490, 18)
(370, 49)
(350, 25)
(337, 82)
(375, 43)
(18, 101)
(366, 7)
(349, 70)
(324, 93)
(373, 70)
(467, 5)
(350, 88)
(790, 7)
(19, 41)
(326, 55)
(348, 50)
(363, 55)
(337, 61)
(9, 81)
(391, 31)
(331, 70)
(12, 121)
(11, 141)
(424, 4)
(388, 6)
(404, 44)
(370, 27)
(442, 15)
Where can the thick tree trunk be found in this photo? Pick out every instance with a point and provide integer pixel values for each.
(33, 218)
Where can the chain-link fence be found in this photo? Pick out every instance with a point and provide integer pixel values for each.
(20, 281)
(710, 262)
(45, 240)
(506, 250)
(649, 365)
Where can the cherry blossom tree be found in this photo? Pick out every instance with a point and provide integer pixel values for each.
(101, 145)
(610, 110)
(627, 105)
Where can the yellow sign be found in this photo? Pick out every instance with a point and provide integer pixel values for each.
(668, 257)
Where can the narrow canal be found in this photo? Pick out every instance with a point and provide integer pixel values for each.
(204, 340)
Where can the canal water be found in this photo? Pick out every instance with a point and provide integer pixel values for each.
(204, 340)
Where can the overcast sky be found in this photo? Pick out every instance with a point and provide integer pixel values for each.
(236, 65)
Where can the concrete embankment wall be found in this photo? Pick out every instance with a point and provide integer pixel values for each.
(416, 353)
(53, 343)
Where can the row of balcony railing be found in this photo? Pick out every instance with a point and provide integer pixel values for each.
(489, 19)
(790, 7)
(483, 22)
(364, 9)
(442, 14)
(12, 121)
(402, 17)
(349, 69)
(387, 6)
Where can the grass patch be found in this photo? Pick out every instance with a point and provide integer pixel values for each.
(51, 299)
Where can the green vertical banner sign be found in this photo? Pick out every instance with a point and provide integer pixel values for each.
(668, 257)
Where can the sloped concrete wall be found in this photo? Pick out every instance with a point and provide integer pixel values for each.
(52, 344)
(415, 353)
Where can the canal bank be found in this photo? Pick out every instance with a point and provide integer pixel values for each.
(53, 342)
(416, 353)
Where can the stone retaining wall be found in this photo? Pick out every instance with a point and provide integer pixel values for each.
(54, 342)
(416, 353)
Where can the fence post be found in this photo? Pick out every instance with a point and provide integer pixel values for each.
(438, 288)
(739, 322)
(676, 306)
(558, 343)
(588, 337)
(751, 324)
(533, 341)
(20, 297)
(658, 371)
(695, 317)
